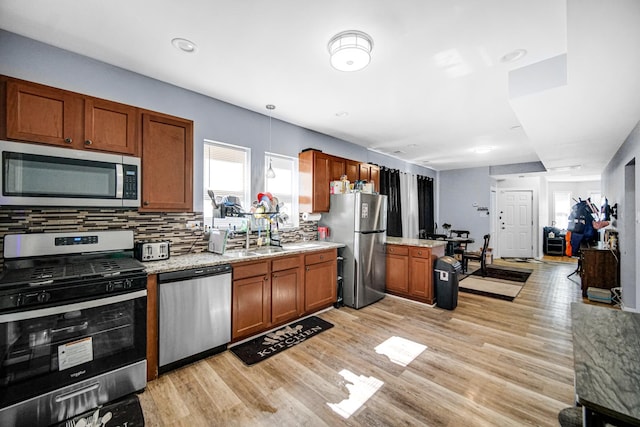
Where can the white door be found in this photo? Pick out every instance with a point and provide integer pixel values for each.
(516, 224)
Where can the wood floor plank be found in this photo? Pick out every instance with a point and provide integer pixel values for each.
(489, 362)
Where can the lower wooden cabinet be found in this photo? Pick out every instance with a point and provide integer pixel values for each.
(600, 269)
(410, 271)
(397, 269)
(266, 294)
(320, 283)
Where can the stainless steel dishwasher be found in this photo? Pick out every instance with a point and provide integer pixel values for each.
(194, 314)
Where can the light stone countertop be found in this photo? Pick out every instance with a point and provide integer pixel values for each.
(205, 259)
(606, 358)
(423, 243)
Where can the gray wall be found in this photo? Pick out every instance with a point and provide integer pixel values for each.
(620, 183)
(27, 59)
(459, 190)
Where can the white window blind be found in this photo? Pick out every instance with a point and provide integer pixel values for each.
(561, 208)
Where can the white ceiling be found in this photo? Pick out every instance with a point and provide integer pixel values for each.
(435, 88)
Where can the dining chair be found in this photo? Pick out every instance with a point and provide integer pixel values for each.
(477, 256)
(460, 247)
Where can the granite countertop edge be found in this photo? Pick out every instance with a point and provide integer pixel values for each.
(423, 243)
(207, 259)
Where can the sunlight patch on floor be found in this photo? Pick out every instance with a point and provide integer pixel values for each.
(361, 388)
(400, 351)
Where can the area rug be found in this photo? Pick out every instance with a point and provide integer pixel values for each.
(123, 412)
(488, 287)
(272, 343)
(514, 274)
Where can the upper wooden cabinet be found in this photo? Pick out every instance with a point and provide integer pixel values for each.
(167, 163)
(318, 169)
(315, 174)
(370, 173)
(42, 114)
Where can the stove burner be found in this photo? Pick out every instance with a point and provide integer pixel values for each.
(61, 273)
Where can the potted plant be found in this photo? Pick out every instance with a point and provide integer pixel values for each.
(447, 227)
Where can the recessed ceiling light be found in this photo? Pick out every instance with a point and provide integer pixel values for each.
(398, 152)
(514, 127)
(342, 114)
(514, 55)
(483, 149)
(184, 45)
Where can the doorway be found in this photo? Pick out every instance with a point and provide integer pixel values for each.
(515, 221)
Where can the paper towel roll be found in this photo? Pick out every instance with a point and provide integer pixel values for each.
(307, 216)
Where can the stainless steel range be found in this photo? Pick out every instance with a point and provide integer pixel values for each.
(72, 324)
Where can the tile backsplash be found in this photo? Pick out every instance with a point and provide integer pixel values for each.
(146, 226)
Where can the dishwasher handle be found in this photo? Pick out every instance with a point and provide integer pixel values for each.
(176, 276)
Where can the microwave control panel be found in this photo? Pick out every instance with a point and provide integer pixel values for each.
(130, 187)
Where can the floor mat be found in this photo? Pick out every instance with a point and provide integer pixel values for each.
(514, 274)
(490, 287)
(123, 412)
(269, 344)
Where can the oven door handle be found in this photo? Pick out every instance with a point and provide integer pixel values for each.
(75, 328)
(60, 309)
(61, 398)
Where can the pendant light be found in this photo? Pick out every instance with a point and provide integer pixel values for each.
(270, 172)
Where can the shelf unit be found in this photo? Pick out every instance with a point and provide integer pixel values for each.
(555, 246)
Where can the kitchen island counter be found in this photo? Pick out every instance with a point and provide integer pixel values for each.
(422, 243)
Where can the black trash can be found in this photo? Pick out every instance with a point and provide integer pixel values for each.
(446, 272)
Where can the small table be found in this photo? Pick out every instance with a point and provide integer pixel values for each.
(606, 360)
(452, 242)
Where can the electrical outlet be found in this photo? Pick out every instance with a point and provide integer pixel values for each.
(193, 225)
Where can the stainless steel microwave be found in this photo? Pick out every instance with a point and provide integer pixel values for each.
(41, 175)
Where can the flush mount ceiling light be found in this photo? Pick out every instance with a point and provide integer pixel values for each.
(483, 149)
(350, 50)
(270, 172)
(184, 45)
(342, 114)
(514, 55)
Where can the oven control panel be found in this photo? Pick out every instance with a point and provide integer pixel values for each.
(76, 240)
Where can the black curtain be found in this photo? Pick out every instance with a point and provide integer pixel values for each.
(425, 205)
(390, 186)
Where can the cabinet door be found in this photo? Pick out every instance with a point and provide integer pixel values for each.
(352, 170)
(320, 285)
(338, 168)
(363, 172)
(397, 275)
(251, 304)
(374, 177)
(37, 113)
(286, 289)
(321, 183)
(110, 126)
(167, 163)
(421, 281)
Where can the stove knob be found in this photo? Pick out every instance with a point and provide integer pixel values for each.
(43, 297)
(127, 283)
(110, 287)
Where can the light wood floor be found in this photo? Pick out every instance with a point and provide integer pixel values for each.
(487, 363)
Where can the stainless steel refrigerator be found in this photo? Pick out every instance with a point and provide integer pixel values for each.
(359, 220)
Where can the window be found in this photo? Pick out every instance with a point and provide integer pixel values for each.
(284, 186)
(227, 172)
(561, 209)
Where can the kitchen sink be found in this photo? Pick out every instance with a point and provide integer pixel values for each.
(269, 250)
(240, 254)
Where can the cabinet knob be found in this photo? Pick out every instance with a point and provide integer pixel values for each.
(68, 140)
(266, 278)
(321, 256)
(419, 252)
(146, 203)
(88, 142)
(307, 268)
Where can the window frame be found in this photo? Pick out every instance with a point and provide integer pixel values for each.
(294, 220)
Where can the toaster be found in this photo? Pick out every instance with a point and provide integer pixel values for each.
(151, 251)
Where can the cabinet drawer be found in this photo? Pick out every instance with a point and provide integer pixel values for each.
(319, 257)
(241, 271)
(285, 263)
(397, 250)
(420, 252)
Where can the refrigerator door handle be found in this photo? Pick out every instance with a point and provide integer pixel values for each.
(371, 232)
